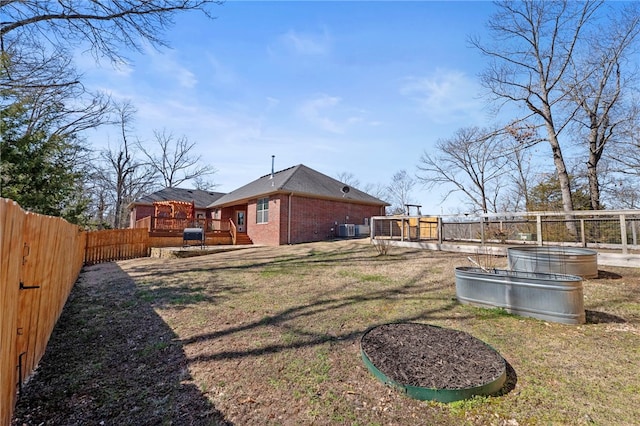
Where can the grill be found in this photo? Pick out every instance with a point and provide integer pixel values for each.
(193, 234)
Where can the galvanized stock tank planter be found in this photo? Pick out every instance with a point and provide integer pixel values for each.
(554, 260)
(550, 297)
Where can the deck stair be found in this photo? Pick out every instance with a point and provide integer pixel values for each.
(243, 239)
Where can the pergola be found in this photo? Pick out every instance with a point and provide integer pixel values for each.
(175, 209)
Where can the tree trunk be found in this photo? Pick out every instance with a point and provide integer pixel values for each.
(592, 169)
(563, 179)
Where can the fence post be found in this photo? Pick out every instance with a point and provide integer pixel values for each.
(539, 228)
(440, 230)
(583, 236)
(372, 230)
(623, 233)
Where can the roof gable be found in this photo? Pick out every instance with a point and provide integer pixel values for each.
(299, 180)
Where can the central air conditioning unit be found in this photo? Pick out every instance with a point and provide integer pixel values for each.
(347, 230)
(362, 230)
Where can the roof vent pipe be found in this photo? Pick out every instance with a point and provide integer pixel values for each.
(272, 163)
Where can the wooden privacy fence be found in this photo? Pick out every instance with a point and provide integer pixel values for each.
(41, 258)
(116, 244)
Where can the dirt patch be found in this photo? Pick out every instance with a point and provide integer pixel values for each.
(431, 357)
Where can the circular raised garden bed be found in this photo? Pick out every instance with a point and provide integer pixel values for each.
(432, 363)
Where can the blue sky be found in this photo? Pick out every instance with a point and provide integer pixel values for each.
(357, 87)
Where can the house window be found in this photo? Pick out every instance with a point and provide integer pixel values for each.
(262, 210)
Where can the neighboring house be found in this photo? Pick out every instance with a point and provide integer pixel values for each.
(295, 205)
(144, 206)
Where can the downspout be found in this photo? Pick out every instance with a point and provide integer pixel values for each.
(289, 220)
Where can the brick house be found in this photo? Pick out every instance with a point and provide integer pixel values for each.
(294, 205)
(144, 206)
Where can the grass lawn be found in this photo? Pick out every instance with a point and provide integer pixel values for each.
(271, 336)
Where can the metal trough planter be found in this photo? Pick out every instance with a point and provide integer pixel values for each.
(554, 260)
(550, 297)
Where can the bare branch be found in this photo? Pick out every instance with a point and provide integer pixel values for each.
(106, 25)
(473, 161)
(176, 162)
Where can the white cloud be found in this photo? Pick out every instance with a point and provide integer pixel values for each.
(316, 112)
(272, 103)
(220, 73)
(171, 67)
(186, 78)
(445, 96)
(307, 44)
(329, 114)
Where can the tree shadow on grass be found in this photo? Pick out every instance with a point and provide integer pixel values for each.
(408, 291)
(599, 317)
(112, 360)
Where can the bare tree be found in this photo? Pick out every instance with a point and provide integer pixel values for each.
(597, 84)
(399, 191)
(175, 162)
(124, 176)
(516, 195)
(627, 151)
(625, 193)
(534, 44)
(107, 26)
(49, 85)
(45, 158)
(623, 187)
(348, 178)
(378, 190)
(36, 69)
(520, 137)
(473, 162)
(204, 184)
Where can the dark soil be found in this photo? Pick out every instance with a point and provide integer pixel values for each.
(431, 357)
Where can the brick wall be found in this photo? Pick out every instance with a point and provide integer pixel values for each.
(312, 219)
(271, 233)
(315, 219)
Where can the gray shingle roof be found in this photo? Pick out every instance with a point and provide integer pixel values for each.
(299, 180)
(201, 198)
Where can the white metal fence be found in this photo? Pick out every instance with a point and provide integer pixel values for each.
(617, 230)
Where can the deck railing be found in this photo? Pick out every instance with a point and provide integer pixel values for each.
(234, 232)
(168, 224)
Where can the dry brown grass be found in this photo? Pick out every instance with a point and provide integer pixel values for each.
(280, 341)
(271, 336)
